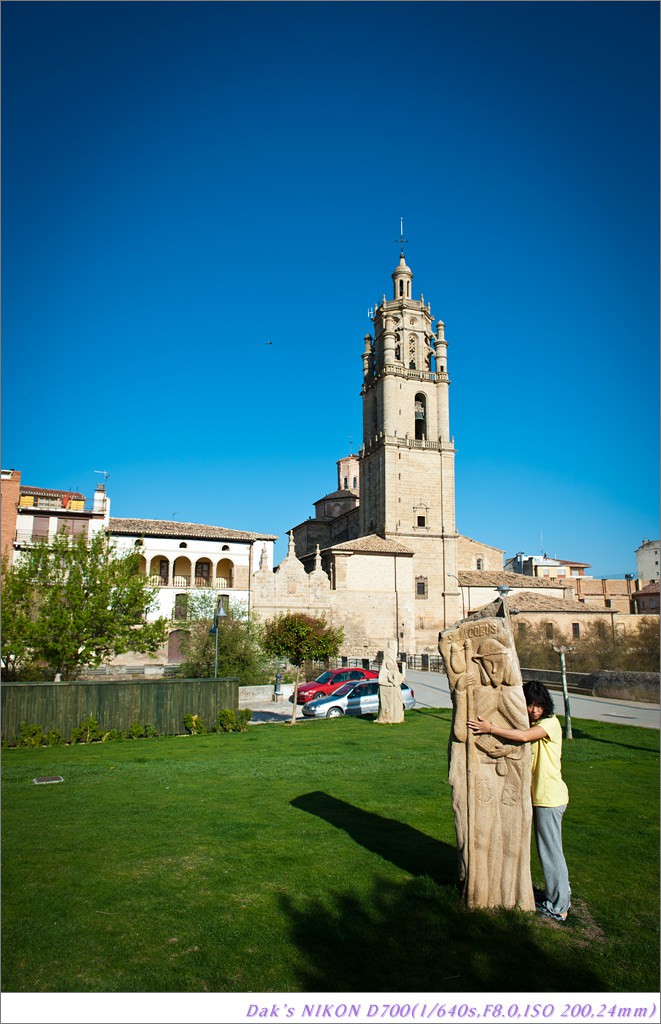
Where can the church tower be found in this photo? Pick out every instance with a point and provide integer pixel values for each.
(407, 457)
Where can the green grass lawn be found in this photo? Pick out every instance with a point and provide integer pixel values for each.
(307, 858)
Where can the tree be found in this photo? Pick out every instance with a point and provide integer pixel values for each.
(300, 637)
(240, 652)
(643, 645)
(72, 603)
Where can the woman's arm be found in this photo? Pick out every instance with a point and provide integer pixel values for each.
(483, 726)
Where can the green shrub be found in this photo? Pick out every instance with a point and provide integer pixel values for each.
(113, 734)
(245, 714)
(150, 731)
(229, 721)
(226, 721)
(136, 730)
(30, 735)
(87, 732)
(194, 724)
(54, 738)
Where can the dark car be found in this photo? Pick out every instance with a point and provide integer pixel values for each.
(354, 699)
(328, 682)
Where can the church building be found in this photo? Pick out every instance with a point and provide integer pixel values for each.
(381, 556)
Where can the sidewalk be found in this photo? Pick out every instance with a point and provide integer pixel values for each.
(265, 709)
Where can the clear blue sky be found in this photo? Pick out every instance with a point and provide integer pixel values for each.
(183, 182)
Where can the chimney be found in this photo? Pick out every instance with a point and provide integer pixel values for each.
(101, 501)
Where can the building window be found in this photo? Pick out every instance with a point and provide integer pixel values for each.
(346, 483)
(355, 483)
(480, 564)
(421, 587)
(642, 603)
(420, 417)
(652, 603)
(549, 630)
(40, 525)
(422, 520)
(575, 630)
(183, 544)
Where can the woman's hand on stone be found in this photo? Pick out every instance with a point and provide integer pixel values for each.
(480, 726)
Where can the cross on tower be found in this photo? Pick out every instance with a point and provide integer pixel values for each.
(402, 241)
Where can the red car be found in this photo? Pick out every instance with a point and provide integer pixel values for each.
(328, 682)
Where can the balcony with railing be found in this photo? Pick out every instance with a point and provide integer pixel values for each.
(185, 582)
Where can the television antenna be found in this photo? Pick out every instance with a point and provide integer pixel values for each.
(104, 473)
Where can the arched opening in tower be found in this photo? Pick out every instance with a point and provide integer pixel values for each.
(420, 417)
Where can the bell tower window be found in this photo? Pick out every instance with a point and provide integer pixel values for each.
(420, 417)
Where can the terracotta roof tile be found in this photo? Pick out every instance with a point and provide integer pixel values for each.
(172, 528)
(516, 580)
(651, 588)
(372, 544)
(524, 602)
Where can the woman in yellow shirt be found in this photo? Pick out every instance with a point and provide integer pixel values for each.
(549, 793)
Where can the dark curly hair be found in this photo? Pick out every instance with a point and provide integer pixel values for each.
(536, 693)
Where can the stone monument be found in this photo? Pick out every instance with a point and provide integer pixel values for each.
(391, 706)
(490, 778)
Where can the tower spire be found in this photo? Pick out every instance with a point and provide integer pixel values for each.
(401, 240)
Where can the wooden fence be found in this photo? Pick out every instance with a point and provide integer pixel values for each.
(115, 705)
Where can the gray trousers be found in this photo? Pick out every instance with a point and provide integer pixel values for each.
(548, 836)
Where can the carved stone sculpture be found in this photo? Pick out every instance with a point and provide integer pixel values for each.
(490, 778)
(391, 706)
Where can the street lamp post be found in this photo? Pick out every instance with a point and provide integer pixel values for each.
(562, 650)
(220, 613)
(504, 590)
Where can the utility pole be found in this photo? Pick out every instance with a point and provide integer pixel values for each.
(565, 691)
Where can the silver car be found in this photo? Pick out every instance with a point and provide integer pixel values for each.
(353, 699)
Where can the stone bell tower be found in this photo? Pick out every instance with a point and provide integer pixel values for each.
(407, 458)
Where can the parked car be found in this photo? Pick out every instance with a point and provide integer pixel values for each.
(353, 699)
(328, 682)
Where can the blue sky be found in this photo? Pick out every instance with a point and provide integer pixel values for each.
(184, 182)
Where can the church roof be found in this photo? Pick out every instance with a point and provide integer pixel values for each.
(172, 528)
(334, 495)
(372, 545)
(498, 578)
(524, 602)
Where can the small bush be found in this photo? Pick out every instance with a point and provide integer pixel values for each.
(87, 732)
(229, 721)
(244, 717)
(113, 734)
(226, 721)
(136, 730)
(30, 735)
(194, 724)
(150, 731)
(54, 738)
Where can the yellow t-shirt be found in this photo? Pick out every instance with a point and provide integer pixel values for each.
(548, 788)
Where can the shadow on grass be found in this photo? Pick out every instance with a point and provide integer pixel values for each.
(402, 845)
(581, 734)
(415, 935)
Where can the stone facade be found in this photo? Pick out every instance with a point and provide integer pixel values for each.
(473, 554)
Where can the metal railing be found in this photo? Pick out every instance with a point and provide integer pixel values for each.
(185, 582)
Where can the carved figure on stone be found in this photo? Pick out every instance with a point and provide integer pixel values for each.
(391, 706)
(490, 779)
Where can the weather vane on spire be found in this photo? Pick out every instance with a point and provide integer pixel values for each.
(402, 241)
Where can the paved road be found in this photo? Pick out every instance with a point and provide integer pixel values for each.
(432, 690)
